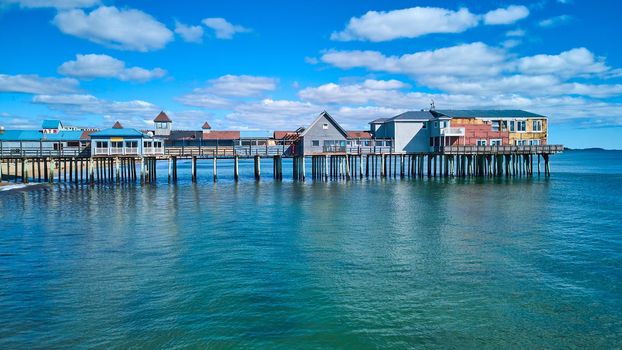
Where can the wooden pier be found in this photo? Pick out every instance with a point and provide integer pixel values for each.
(455, 161)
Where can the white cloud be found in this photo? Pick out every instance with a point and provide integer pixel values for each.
(370, 90)
(126, 29)
(89, 104)
(510, 43)
(575, 62)
(58, 4)
(506, 15)
(269, 114)
(199, 98)
(223, 28)
(103, 66)
(191, 34)
(555, 21)
(525, 85)
(241, 85)
(34, 84)
(406, 23)
(218, 92)
(474, 59)
(515, 33)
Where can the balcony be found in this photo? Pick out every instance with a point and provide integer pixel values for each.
(452, 131)
(101, 150)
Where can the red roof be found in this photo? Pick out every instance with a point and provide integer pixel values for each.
(206, 126)
(222, 135)
(359, 135)
(281, 135)
(162, 117)
(117, 125)
(86, 134)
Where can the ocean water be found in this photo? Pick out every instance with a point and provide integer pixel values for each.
(443, 263)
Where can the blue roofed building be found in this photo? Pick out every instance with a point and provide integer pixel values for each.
(43, 143)
(124, 141)
(51, 126)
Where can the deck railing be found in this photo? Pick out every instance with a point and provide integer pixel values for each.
(502, 149)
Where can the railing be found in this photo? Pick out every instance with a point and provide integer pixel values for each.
(35, 152)
(152, 150)
(357, 149)
(116, 150)
(505, 149)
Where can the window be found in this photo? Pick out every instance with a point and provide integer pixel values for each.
(366, 143)
(325, 126)
(157, 144)
(431, 141)
(436, 124)
(425, 125)
(521, 142)
(495, 125)
(147, 144)
(537, 125)
(495, 142)
(504, 125)
(116, 144)
(131, 144)
(388, 143)
(534, 142)
(379, 143)
(481, 142)
(512, 125)
(444, 124)
(520, 125)
(315, 143)
(101, 144)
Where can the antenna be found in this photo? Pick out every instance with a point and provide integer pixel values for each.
(432, 107)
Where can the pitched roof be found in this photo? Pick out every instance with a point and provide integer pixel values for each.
(488, 113)
(21, 135)
(117, 125)
(63, 135)
(222, 135)
(359, 135)
(206, 126)
(36, 135)
(281, 135)
(330, 119)
(163, 117)
(51, 124)
(185, 135)
(413, 115)
(406, 116)
(116, 132)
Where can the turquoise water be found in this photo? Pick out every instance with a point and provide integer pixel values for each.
(488, 263)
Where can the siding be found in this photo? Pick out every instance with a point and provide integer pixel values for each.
(410, 136)
(317, 132)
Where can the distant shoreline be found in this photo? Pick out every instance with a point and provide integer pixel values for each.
(590, 149)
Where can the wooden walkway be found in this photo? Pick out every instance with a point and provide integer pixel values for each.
(78, 166)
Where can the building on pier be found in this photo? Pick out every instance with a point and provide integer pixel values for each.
(205, 137)
(494, 127)
(163, 124)
(408, 131)
(51, 138)
(325, 135)
(117, 141)
(432, 130)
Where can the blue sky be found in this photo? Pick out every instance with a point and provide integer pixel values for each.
(258, 66)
